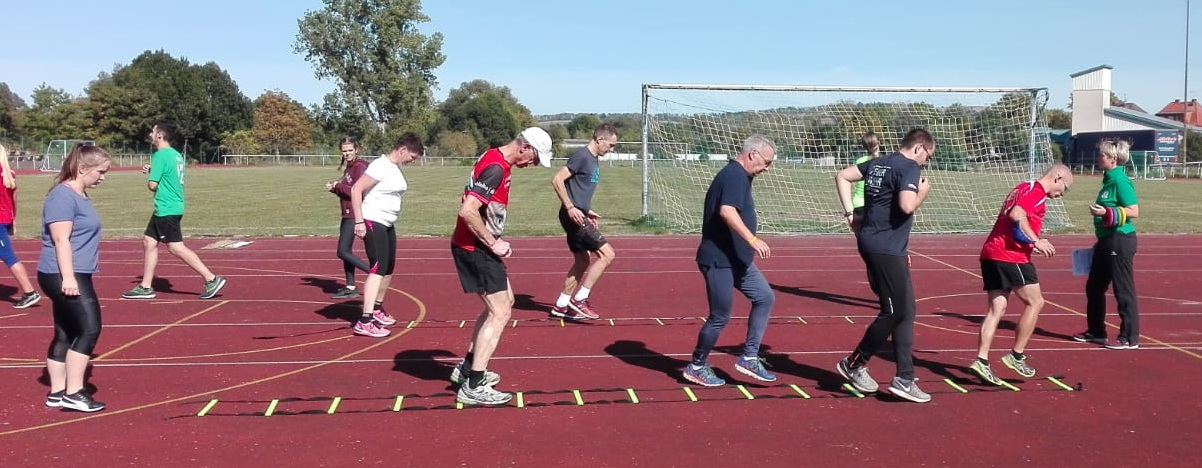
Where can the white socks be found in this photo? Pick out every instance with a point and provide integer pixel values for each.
(563, 300)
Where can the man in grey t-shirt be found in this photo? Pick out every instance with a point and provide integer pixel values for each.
(575, 184)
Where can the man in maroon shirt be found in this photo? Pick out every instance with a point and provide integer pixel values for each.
(1006, 267)
(478, 249)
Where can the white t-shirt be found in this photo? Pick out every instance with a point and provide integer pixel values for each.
(382, 203)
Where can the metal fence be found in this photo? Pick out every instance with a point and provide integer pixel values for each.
(328, 160)
(1189, 170)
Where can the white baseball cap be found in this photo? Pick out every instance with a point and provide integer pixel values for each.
(541, 141)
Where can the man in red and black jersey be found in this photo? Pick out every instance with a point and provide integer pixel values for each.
(478, 250)
(1006, 267)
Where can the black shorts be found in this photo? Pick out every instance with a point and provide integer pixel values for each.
(581, 238)
(480, 271)
(165, 228)
(1004, 276)
(380, 245)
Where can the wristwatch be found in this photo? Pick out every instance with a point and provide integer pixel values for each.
(848, 214)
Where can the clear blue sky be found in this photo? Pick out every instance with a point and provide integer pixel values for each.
(593, 56)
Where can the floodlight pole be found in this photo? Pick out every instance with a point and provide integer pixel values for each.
(1185, 94)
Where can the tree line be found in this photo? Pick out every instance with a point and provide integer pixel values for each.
(383, 67)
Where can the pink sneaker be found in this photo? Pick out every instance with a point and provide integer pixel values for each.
(567, 313)
(584, 308)
(370, 329)
(382, 318)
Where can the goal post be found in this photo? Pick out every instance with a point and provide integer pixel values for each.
(987, 141)
(57, 151)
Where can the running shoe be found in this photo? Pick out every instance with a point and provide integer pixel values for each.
(139, 292)
(754, 367)
(212, 287)
(81, 401)
(345, 293)
(1087, 337)
(483, 395)
(382, 318)
(908, 390)
(55, 399)
(28, 299)
(566, 312)
(1019, 365)
(584, 307)
(857, 376)
(1121, 344)
(985, 372)
(370, 329)
(703, 376)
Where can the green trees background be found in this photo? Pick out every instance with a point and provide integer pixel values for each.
(371, 49)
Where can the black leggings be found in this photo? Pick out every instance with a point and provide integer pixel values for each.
(380, 244)
(76, 318)
(346, 242)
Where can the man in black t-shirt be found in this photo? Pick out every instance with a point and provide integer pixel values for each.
(893, 191)
(726, 259)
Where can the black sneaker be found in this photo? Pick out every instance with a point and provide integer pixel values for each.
(28, 299)
(345, 293)
(1087, 337)
(55, 399)
(81, 401)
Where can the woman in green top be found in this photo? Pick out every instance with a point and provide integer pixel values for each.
(872, 145)
(1114, 253)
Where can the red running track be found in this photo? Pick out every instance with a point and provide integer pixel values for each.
(273, 335)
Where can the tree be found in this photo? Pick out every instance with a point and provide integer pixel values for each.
(281, 124)
(239, 142)
(10, 105)
(582, 126)
(489, 113)
(337, 117)
(55, 115)
(1059, 119)
(380, 60)
(1193, 147)
(224, 108)
(202, 100)
(118, 115)
(455, 145)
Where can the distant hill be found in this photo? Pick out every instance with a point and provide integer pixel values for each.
(563, 118)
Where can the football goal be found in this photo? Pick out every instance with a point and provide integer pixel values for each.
(987, 140)
(57, 151)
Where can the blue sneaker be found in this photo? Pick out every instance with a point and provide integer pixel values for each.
(755, 368)
(703, 376)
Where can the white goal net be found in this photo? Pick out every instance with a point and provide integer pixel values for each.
(987, 140)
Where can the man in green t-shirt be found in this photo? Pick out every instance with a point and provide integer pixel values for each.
(166, 180)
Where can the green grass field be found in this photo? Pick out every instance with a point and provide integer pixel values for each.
(278, 201)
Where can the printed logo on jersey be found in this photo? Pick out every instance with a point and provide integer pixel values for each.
(876, 177)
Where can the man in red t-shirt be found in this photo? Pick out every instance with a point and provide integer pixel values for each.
(1006, 267)
(478, 249)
